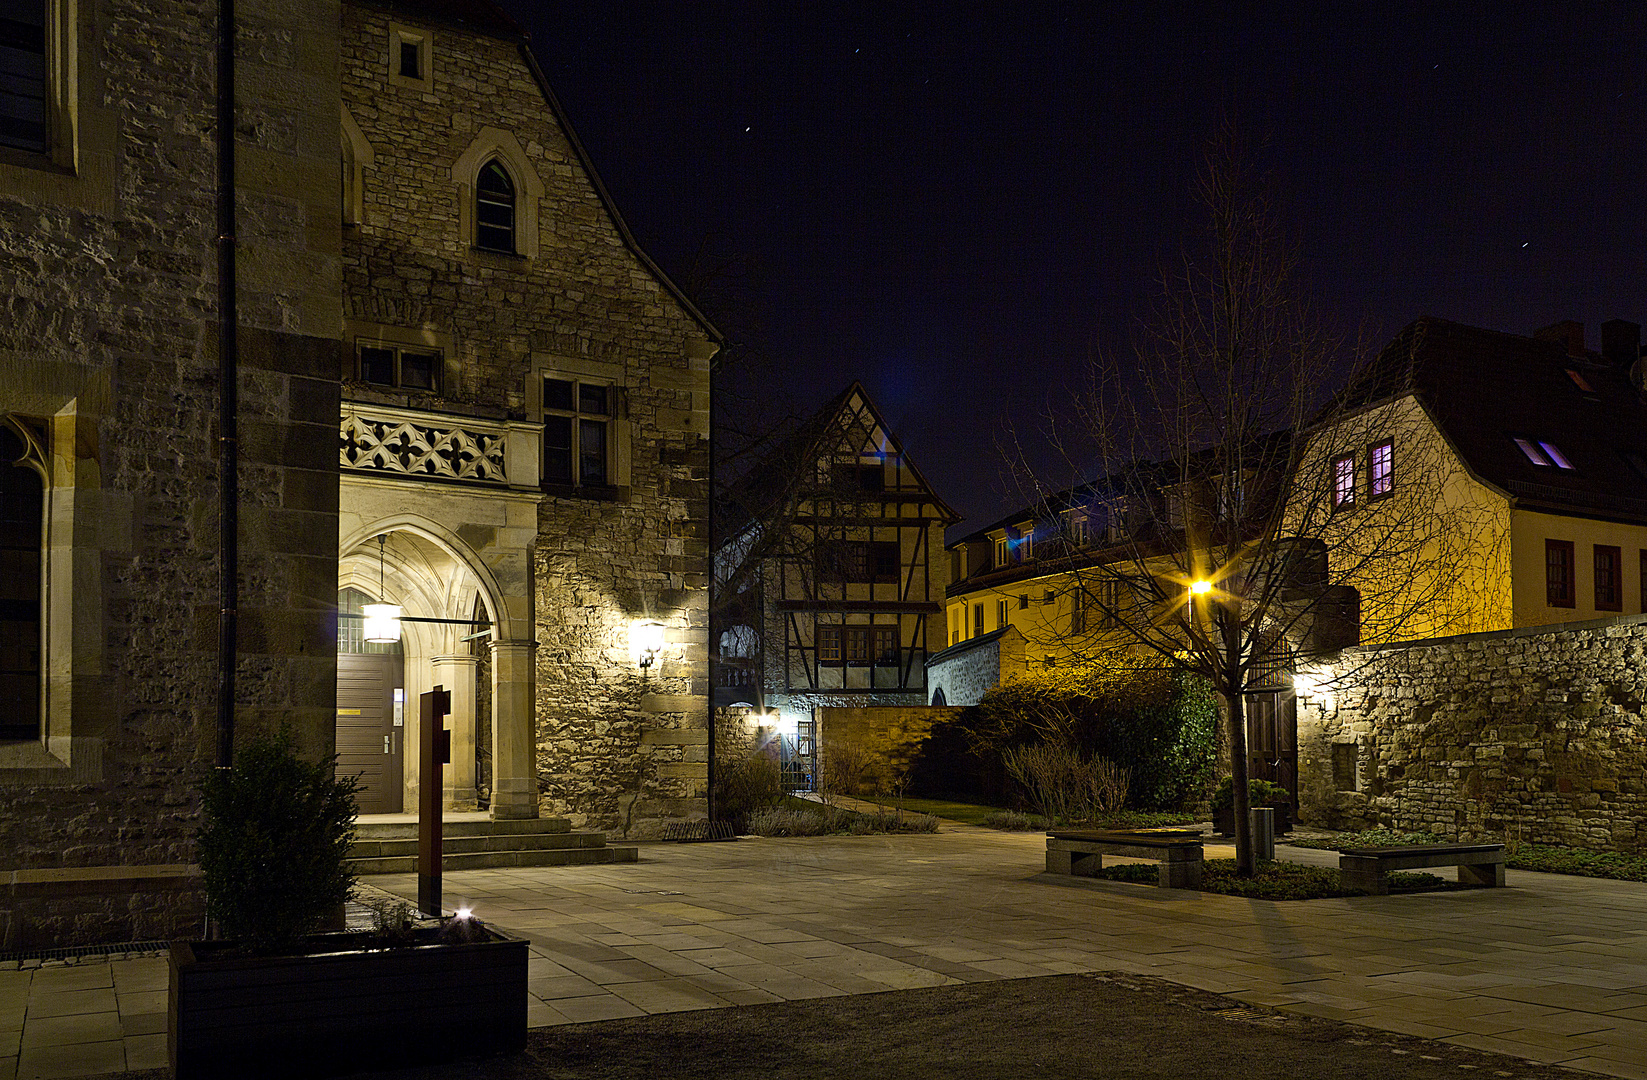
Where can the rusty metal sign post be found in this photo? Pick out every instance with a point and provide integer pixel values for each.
(434, 750)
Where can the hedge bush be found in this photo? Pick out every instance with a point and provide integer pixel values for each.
(1153, 720)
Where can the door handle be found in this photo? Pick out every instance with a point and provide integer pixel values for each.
(386, 748)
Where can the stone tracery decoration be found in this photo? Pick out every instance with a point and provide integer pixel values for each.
(396, 444)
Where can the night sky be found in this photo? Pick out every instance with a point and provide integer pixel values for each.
(960, 206)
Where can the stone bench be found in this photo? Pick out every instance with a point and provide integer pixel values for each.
(1081, 853)
(1369, 868)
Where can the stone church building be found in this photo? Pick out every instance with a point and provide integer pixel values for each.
(464, 390)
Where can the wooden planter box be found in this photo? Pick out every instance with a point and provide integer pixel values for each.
(1223, 821)
(338, 1009)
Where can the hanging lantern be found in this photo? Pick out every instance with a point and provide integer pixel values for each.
(382, 623)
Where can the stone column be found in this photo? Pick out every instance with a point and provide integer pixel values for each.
(514, 730)
(457, 675)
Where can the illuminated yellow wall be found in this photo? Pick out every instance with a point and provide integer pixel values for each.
(1431, 559)
(1529, 529)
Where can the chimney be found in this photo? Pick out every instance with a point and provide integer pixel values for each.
(1620, 343)
(1568, 332)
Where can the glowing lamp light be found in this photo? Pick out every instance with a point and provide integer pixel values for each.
(1200, 588)
(382, 623)
(647, 641)
(463, 913)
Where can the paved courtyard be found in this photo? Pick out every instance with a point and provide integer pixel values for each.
(1552, 968)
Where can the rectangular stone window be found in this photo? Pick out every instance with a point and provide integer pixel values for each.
(1343, 766)
(1558, 573)
(411, 59)
(977, 620)
(1003, 614)
(577, 417)
(404, 368)
(885, 644)
(1609, 567)
(24, 113)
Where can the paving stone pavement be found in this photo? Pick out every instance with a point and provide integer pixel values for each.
(1552, 968)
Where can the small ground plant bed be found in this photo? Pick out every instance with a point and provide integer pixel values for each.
(1543, 858)
(1372, 838)
(813, 819)
(1275, 880)
(1576, 861)
(1015, 821)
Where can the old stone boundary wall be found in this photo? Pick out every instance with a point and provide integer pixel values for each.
(871, 748)
(1536, 735)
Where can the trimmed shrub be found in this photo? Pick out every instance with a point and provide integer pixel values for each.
(274, 844)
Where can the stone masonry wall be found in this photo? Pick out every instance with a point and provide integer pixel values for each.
(1535, 734)
(108, 345)
(885, 741)
(966, 674)
(618, 748)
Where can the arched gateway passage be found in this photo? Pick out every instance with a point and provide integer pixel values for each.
(456, 633)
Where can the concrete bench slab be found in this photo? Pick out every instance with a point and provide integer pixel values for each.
(1369, 868)
(1080, 853)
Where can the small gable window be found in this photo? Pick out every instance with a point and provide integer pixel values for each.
(495, 209)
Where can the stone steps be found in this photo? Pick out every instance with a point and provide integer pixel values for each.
(391, 848)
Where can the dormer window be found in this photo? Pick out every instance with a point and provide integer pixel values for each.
(495, 209)
(1580, 381)
(1026, 545)
(1545, 454)
(1001, 552)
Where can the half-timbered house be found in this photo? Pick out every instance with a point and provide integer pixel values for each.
(832, 572)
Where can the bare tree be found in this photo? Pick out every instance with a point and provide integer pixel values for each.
(1255, 505)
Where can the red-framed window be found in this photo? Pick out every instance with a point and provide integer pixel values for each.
(1343, 482)
(1558, 573)
(1609, 578)
(1381, 470)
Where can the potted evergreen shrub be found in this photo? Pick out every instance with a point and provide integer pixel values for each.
(1259, 793)
(275, 996)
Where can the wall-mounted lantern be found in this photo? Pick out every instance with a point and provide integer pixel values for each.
(646, 638)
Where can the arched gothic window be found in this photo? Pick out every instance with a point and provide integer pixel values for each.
(495, 209)
(22, 500)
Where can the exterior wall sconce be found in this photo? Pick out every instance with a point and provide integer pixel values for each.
(1200, 588)
(646, 638)
(382, 624)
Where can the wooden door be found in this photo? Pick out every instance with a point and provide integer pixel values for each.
(1272, 739)
(370, 741)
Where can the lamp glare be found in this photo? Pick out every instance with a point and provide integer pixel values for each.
(382, 623)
